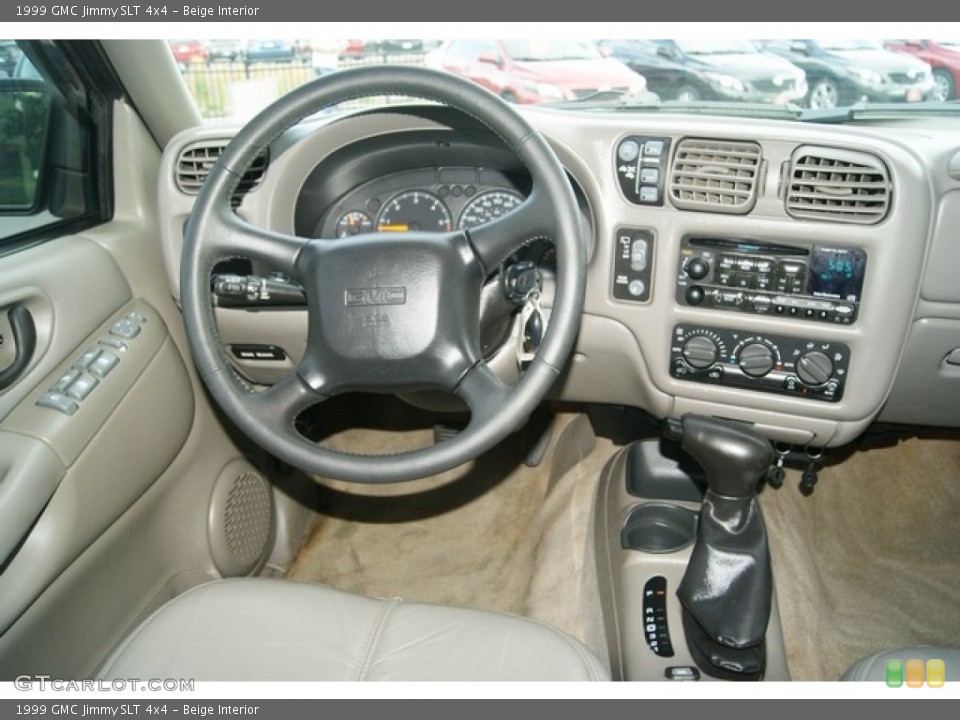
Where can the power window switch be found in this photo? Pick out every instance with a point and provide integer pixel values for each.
(58, 401)
(82, 387)
(102, 366)
(84, 361)
(65, 381)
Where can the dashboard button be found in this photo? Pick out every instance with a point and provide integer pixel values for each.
(84, 361)
(653, 148)
(649, 194)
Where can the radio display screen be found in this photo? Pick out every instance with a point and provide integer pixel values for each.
(836, 273)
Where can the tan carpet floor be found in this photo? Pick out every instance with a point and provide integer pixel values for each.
(871, 560)
(492, 534)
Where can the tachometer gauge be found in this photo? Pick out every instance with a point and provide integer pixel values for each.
(488, 206)
(354, 222)
(414, 210)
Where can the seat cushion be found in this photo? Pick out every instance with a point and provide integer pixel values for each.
(262, 629)
(874, 667)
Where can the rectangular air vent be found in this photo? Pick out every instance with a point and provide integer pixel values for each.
(197, 160)
(837, 186)
(715, 175)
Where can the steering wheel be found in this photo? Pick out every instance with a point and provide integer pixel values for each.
(387, 312)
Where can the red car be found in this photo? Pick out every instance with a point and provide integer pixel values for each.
(186, 51)
(943, 56)
(535, 71)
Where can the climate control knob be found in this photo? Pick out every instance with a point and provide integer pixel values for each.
(700, 352)
(814, 368)
(757, 359)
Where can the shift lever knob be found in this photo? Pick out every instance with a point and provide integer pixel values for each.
(727, 589)
(732, 457)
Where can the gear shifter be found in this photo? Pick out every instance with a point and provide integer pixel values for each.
(727, 589)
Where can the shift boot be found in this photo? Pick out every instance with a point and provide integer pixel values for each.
(727, 589)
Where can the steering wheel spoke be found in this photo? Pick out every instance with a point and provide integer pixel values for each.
(280, 403)
(229, 235)
(493, 242)
(483, 392)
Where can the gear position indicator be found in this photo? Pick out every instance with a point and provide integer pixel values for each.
(655, 628)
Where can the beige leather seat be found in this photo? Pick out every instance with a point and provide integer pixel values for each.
(261, 629)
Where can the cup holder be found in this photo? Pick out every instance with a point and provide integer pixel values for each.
(659, 528)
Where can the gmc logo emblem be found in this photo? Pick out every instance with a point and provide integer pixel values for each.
(366, 297)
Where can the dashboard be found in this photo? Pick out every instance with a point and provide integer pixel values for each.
(793, 276)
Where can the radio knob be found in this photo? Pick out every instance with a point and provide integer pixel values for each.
(700, 352)
(694, 295)
(756, 359)
(697, 269)
(814, 368)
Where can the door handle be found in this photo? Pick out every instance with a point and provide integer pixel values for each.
(25, 339)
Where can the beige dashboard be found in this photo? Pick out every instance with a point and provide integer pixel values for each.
(888, 352)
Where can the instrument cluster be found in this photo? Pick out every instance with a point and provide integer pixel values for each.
(428, 199)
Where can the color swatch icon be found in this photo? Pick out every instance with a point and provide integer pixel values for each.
(914, 672)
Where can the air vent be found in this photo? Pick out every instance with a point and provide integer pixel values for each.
(197, 160)
(715, 176)
(837, 186)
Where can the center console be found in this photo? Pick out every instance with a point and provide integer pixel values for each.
(648, 507)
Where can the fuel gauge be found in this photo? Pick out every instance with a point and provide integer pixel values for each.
(355, 222)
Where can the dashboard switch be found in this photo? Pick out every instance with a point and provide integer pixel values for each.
(638, 255)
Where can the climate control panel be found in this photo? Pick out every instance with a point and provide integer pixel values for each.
(804, 368)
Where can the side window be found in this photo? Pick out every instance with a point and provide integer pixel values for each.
(50, 168)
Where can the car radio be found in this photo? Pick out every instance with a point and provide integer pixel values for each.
(823, 283)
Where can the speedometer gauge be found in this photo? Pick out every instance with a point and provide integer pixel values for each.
(414, 210)
(488, 206)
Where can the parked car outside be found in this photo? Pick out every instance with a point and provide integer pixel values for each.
(710, 69)
(224, 50)
(943, 56)
(844, 72)
(187, 51)
(269, 51)
(536, 71)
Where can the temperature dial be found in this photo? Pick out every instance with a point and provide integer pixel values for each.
(757, 359)
(814, 368)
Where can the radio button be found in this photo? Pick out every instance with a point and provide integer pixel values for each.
(763, 282)
(764, 266)
(844, 310)
(744, 280)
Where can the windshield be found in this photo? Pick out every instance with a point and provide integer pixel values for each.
(716, 47)
(232, 79)
(850, 45)
(547, 50)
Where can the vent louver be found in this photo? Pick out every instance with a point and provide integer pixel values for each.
(715, 175)
(197, 160)
(837, 186)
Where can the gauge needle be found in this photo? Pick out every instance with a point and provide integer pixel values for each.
(393, 228)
